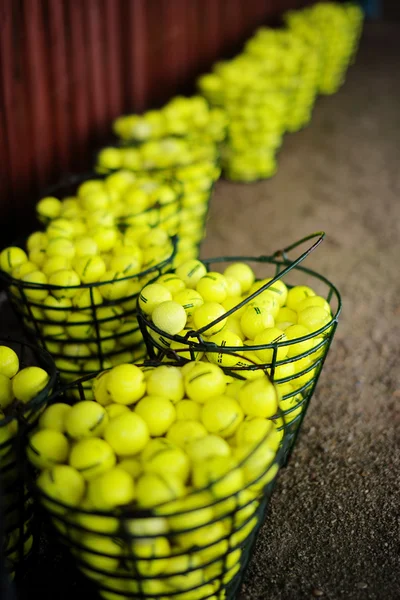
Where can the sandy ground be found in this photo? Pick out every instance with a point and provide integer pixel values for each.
(332, 529)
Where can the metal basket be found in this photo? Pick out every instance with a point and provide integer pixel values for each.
(197, 551)
(18, 519)
(105, 331)
(301, 383)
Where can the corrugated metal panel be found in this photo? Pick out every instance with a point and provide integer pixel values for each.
(67, 68)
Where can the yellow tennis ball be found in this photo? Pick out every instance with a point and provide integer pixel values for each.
(56, 309)
(127, 264)
(79, 325)
(151, 549)
(194, 510)
(102, 553)
(86, 246)
(6, 392)
(272, 335)
(172, 282)
(285, 318)
(242, 273)
(105, 238)
(297, 294)
(225, 339)
(163, 456)
(113, 488)
(109, 317)
(213, 287)
(29, 382)
(54, 264)
(100, 391)
(221, 473)
(38, 256)
(257, 465)
(67, 282)
(35, 292)
(24, 269)
(255, 319)
(255, 429)
(259, 398)
(63, 484)
(293, 332)
(169, 317)
(189, 299)
(152, 295)
(204, 448)
(187, 576)
(291, 409)
(187, 410)
(54, 417)
(158, 412)
(9, 361)
(12, 257)
(182, 433)
(155, 488)
(60, 247)
(46, 448)
(133, 466)
(166, 381)
(87, 298)
(127, 434)
(125, 384)
(204, 381)
(190, 272)
(91, 457)
(221, 415)
(314, 318)
(37, 239)
(86, 419)
(114, 286)
(206, 314)
(313, 301)
(60, 228)
(90, 268)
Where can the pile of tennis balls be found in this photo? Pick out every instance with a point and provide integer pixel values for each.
(181, 116)
(76, 289)
(18, 386)
(180, 306)
(185, 444)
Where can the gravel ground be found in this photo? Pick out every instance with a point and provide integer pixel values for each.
(332, 529)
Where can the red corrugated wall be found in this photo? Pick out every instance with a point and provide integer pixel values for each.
(68, 67)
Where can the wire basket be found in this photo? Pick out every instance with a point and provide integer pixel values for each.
(95, 325)
(296, 375)
(194, 547)
(18, 518)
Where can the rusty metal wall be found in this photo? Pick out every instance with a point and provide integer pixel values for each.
(68, 67)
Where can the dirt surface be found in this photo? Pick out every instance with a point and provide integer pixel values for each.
(332, 529)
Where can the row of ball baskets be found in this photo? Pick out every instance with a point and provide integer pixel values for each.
(156, 474)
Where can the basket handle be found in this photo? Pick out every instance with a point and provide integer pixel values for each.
(320, 235)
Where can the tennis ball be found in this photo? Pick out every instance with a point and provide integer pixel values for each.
(127, 434)
(127, 264)
(314, 318)
(255, 319)
(313, 301)
(190, 300)
(132, 466)
(220, 474)
(206, 314)
(169, 317)
(66, 281)
(156, 488)
(12, 257)
(202, 536)
(54, 417)
(29, 382)
(105, 238)
(92, 457)
(94, 523)
(232, 389)
(294, 332)
(102, 553)
(109, 317)
(36, 292)
(255, 429)
(285, 318)
(259, 398)
(90, 268)
(233, 325)
(114, 410)
(187, 410)
(277, 289)
(86, 419)
(63, 484)
(242, 273)
(37, 239)
(47, 448)
(291, 407)
(187, 576)
(162, 456)
(87, 298)
(152, 295)
(9, 362)
(225, 339)
(79, 326)
(297, 294)
(38, 256)
(113, 286)
(272, 335)
(151, 549)
(257, 464)
(221, 415)
(60, 228)
(207, 447)
(213, 287)
(6, 391)
(113, 488)
(129, 334)
(204, 381)
(158, 412)
(59, 248)
(172, 282)
(56, 309)
(190, 272)
(182, 433)
(234, 287)
(125, 384)
(23, 269)
(166, 381)
(85, 246)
